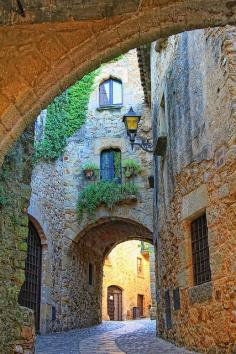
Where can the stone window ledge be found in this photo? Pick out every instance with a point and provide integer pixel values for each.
(128, 200)
(200, 293)
(109, 108)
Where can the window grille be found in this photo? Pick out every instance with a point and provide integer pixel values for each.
(30, 292)
(200, 251)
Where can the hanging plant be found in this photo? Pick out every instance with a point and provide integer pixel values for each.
(90, 170)
(131, 168)
(103, 193)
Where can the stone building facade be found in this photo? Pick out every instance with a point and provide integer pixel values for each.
(193, 111)
(16, 322)
(74, 249)
(127, 268)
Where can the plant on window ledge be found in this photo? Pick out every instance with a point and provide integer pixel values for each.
(103, 193)
(131, 168)
(90, 170)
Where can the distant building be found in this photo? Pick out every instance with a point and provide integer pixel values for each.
(126, 282)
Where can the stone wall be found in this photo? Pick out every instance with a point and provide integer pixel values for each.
(16, 322)
(194, 106)
(120, 269)
(55, 189)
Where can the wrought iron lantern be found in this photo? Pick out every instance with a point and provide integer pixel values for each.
(131, 121)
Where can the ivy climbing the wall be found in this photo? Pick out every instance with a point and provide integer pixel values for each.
(65, 115)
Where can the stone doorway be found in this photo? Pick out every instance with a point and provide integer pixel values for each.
(114, 303)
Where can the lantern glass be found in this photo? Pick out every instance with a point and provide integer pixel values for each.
(132, 123)
(131, 120)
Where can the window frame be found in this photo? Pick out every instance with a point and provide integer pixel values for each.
(111, 98)
(112, 166)
(200, 251)
(139, 272)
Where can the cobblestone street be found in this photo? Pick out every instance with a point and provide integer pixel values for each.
(131, 337)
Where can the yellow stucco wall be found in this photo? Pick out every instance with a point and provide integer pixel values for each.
(120, 269)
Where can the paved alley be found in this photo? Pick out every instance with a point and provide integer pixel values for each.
(131, 337)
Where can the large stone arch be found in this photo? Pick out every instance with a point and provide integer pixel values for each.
(108, 232)
(40, 60)
(79, 303)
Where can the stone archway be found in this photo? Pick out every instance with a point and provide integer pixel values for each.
(47, 49)
(79, 301)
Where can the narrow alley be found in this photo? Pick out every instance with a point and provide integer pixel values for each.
(131, 337)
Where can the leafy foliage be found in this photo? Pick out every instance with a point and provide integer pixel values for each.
(65, 115)
(117, 163)
(89, 166)
(103, 192)
(131, 167)
(121, 56)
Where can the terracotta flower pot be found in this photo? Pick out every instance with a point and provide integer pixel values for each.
(89, 173)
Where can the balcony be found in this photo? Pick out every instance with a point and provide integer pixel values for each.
(105, 188)
(119, 176)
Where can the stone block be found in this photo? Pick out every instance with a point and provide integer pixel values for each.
(194, 203)
(200, 293)
(232, 184)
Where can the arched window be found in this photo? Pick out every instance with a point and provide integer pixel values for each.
(110, 165)
(110, 93)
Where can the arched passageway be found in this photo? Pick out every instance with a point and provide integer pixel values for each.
(107, 232)
(43, 51)
(129, 290)
(78, 297)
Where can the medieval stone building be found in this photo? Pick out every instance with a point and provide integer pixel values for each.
(193, 93)
(76, 246)
(126, 290)
(189, 88)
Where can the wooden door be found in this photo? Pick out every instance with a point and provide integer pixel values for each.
(110, 165)
(114, 303)
(140, 301)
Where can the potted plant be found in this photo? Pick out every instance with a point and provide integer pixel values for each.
(131, 168)
(90, 170)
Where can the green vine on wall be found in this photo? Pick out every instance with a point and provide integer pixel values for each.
(103, 193)
(65, 115)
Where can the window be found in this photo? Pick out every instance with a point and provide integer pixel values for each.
(110, 165)
(139, 266)
(200, 251)
(110, 93)
(90, 275)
